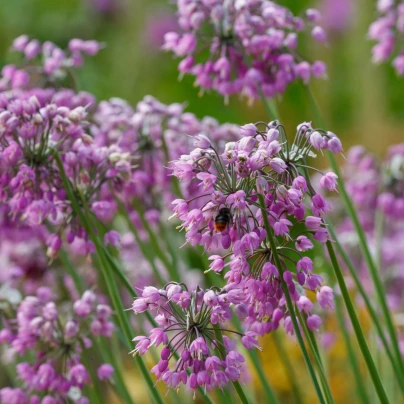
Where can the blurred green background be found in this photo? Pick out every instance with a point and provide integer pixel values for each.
(362, 102)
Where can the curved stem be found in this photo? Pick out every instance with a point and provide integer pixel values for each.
(258, 367)
(363, 244)
(236, 385)
(290, 371)
(272, 113)
(99, 344)
(351, 354)
(240, 392)
(314, 349)
(113, 292)
(372, 312)
(125, 282)
(289, 302)
(357, 327)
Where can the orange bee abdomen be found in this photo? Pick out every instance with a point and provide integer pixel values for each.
(223, 219)
(220, 226)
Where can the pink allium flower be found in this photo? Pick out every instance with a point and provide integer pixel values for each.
(386, 31)
(188, 331)
(41, 333)
(252, 46)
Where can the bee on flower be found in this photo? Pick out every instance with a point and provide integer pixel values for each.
(263, 163)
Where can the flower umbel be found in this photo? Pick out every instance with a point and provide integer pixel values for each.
(196, 351)
(252, 46)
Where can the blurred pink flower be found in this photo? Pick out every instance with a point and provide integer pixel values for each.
(337, 14)
(158, 23)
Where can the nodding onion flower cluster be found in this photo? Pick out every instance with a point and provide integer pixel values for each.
(377, 188)
(98, 155)
(58, 337)
(153, 132)
(387, 31)
(24, 262)
(243, 47)
(189, 324)
(45, 62)
(262, 163)
(33, 130)
(36, 124)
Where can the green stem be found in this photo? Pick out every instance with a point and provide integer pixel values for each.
(65, 260)
(372, 312)
(372, 268)
(270, 395)
(95, 392)
(316, 353)
(107, 274)
(379, 223)
(143, 248)
(125, 282)
(240, 392)
(115, 268)
(357, 327)
(119, 310)
(289, 302)
(155, 244)
(351, 354)
(271, 111)
(120, 385)
(237, 386)
(101, 346)
(290, 371)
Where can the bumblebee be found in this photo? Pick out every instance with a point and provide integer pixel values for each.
(223, 219)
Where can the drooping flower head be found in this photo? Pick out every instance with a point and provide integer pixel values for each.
(55, 337)
(263, 163)
(244, 47)
(196, 351)
(377, 189)
(47, 60)
(155, 133)
(38, 122)
(387, 31)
